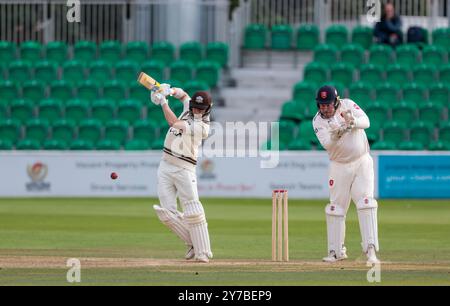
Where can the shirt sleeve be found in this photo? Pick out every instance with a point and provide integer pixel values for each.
(185, 102)
(323, 135)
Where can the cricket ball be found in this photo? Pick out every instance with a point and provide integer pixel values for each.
(114, 175)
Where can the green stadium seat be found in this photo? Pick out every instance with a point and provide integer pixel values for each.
(3, 109)
(394, 131)
(352, 54)
(377, 112)
(439, 93)
(22, 110)
(77, 110)
(61, 90)
(217, 52)
(88, 90)
(33, 90)
(371, 74)
(373, 132)
(410, 146)
(129, 110)
(126, 71)
(193, 86)
(8, 90)
(56, 51)
(54, 145)
(316, 73)
(191, 52)
(108, 145)
(421, 132)
(85, 51)
(181, 71)
(304, 92)
(362, 36)
(292, 111)
(73, 71)
(441, 37)
(387, 92)
(114, 90)
(5, 145)
(137, 145)
(380, 55)
(63, 130)
(30, 51)
(163, 51)
(414, 93)
(361, 93)
(116, 130)
(424, 74)
(397, 75)
(46, 71)
(444, 131)
(307, 37)
(81, 145)
(281, 37)
(444, 74)
(430, 112)
(138, 92)
(19, 71)
(384, 145)
(50, 110)
(342, 73)
(306, 132)
(110, 51)
(90, 129)
(407, 54)
(255, 36)
(100, 71)
(326, 54)
(403, 112)
(439, 146)
(10, 130)
(37, 129)
(145, 130)
(433, 55)
(336, 35)
(28, 144)
(208, 72)
(103, 110)
(136, 51)
(157, 144)
(154, 68)
(299, 145)
(7, 52)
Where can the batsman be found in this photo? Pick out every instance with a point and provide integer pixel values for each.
(339, 125)
(176, 172)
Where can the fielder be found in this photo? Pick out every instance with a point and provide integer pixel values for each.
(176, 173)
(339, 126)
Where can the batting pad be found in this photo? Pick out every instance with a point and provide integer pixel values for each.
(175, 222)
(335, 228)
(367, 215)
(198, 228)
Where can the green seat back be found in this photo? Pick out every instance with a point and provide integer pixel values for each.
(424, 74)
(28, 144)
(63, 130)
(136, 51)
(81, 145)
(77, 110)
(88, 90)
(37, 129)
(22, 110)
(100, 72)
(46, 71)
(114, 90)
(281, 35)
(394, 131)
(362, 36)
(380, 55)
(73, 71)
(145, 130)
(307, 37)
(19, 71)
(361, 92)
(61, 90)
(108, 145)
(191, 52)
(54, 145)
(371, 74)
(7, 52)
(421, 132)
(103, 110)
(127, 71)
(8, 90)
(326, 54)
(255, 36)
(315, 72)
(342, 73)
(433, 55)
(403, 112)
(116, 130)
(397, 75)
(217, 52)
(30, 51)
(129, 110)
(10, 130)
(353, 54)
(33, 90)
(85, 51)
(110, 51)
(181, 71)
(137, 145)
(90, 129)
(163, 51)
(407, 55)
(50, 110)
(56, 51)
(208, 72)
(336, 35)
(430, 112)
(410, 146)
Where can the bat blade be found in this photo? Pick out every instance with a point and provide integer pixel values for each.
(148, 82)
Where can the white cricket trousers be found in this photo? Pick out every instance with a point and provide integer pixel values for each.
(354, 180)
(175, 181)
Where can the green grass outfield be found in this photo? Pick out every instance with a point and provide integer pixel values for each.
(121, 242)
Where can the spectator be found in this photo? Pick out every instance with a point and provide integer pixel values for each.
(389, 29)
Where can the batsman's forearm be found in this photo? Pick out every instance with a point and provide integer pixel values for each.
(171, 118)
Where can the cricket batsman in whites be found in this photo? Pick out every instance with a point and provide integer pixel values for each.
(176, 173)
(339, 126)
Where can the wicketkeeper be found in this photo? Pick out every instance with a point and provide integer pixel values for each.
(339, 126)
(176, 173)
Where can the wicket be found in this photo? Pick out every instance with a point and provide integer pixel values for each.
(280, 246)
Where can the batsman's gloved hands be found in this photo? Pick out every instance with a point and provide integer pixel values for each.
(165, 90)
(337, 131)
(178, 93)
(349, 119)
(158, 98)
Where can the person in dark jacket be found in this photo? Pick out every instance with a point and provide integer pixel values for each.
(389, 29)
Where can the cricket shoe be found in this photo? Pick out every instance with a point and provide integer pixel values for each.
(332, 257)
(202, 258)
(372, 255)
(190, 254)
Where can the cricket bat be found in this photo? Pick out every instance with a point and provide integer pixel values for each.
(148, 82)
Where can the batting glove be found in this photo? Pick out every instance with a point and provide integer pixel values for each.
(158, 98)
